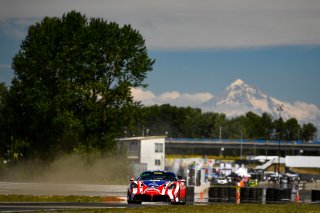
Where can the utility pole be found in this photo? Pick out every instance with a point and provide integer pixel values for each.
(241, 146)
(279, 109)
(222, 144)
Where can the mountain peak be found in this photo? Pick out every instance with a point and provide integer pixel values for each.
(238, 82)
(240, 96)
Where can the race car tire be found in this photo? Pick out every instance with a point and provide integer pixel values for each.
(134, 202)
(181, 202)
(184, 201)
(137, 202)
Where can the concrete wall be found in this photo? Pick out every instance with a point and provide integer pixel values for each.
(148, 154)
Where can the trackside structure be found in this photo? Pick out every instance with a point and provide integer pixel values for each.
(143, 153)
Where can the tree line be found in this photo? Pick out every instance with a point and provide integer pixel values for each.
(187, 122)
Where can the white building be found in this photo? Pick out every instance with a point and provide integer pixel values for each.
(144, 153)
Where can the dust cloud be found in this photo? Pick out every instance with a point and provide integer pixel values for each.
(74, 168)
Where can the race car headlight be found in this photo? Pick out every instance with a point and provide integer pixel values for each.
(172, 186)
(134, 185)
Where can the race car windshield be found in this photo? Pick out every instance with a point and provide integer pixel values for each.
(157, 176)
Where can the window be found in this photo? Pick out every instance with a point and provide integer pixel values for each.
(157, 162)
(133, 146)
(159, 147)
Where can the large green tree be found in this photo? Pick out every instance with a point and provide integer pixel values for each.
(4, 122)
(72, 80)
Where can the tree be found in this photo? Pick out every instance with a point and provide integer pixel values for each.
(266, 125)
(72, 80)
(308, 132)
(4, 122)
(254, 128)
(292, 129)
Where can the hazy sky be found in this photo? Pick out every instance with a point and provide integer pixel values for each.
(200, 46)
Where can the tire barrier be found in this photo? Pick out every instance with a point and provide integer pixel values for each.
(213, 194)
(253, 195)
(278, 195)
(190, 194)
(270, 195)
(232, 194)
(250, 195)
(222, 194)
(244, 195)
(315, 196)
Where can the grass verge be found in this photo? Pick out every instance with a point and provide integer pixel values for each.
(225, 208)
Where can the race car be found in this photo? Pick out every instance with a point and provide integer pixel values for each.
(157, 186)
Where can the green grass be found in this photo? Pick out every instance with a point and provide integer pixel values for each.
(230, 208)
(224, 208)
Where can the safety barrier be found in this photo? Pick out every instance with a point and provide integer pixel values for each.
(222, 194)
(231, 194)
(190, 194)
(315, 196)
(250, 195)
(275, 195)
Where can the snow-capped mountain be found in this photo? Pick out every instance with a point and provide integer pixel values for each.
(240, 98)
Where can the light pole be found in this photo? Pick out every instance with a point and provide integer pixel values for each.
(222, 144)
(279, 109)
(241, 147)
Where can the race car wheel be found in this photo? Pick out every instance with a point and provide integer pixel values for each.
(180, 202)
(133, 201)
(184, 201)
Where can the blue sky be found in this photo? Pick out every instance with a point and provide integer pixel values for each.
(289, 73)
(200, 46)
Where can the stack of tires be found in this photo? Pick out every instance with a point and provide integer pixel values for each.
(250, 195)
(222, 194)
(315, 196)
(190, 194)
(232, 191)
(244, 195)
(213, 194)
(270, 195)
(278, 195)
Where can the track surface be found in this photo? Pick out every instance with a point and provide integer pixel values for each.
(46, 189)
(62, 189)
(51, 206)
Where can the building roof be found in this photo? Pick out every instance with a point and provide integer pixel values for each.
(141, 138)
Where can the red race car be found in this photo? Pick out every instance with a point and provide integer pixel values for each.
(157, 186)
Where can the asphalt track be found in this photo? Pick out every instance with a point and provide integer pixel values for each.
(11, 188)
(52, 206)
(47, 189)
